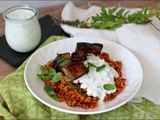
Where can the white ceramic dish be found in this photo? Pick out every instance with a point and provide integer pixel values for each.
(132, 71)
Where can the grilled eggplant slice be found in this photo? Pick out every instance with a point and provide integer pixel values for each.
(74, 70)
(57, 62)
(78, 55)
(94, 48)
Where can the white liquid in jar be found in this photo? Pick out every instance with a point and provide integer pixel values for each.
(22, 30)
(20, 14)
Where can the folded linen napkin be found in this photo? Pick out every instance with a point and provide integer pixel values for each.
(142, 40)
(15, 58)
(20, 104)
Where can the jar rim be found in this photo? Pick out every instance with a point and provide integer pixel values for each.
(24, 7)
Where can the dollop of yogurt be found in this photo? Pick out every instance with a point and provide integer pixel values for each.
(94, 81)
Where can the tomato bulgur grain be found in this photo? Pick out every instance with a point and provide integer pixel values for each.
(49, 64)
(73, 98)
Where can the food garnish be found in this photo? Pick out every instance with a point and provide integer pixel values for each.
(115, 17)
(109, 86)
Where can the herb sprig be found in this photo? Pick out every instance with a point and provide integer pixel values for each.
(49, 74)
(50, 91)
(98, 68)
(114, 18)
(109, 87)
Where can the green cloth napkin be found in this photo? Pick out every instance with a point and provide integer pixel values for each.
(19, 103)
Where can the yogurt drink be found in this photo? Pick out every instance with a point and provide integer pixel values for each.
(22, 29)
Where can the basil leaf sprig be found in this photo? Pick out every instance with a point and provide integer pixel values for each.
(98, 68)
(114, 18)
(49, 74)
(63, 61)
(50, 91)
(53, 76)
(109, 86)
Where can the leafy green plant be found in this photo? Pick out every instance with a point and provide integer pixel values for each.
(114, 18)
(140, 17)
(49, 74)
(109, 19)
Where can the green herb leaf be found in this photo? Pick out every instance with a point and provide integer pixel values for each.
(100, 68)
(112, 10)
(109, 86)
(103, 10)
(72, 86)
(41, 76)
(52, 71)
(44, 77)
(114, 18)
(120, 12)
(48, 77)
(63, 61)
(56, 77)
(80, 91)
(55, 98)
(90, 65)
(48, 88)
(43, 69)
(140, 17)
(50, 91)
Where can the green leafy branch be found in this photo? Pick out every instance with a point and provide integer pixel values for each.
(115, 18)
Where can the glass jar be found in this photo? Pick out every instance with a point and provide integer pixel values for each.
(22, 29)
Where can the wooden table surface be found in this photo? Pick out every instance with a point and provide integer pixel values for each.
(55, 11)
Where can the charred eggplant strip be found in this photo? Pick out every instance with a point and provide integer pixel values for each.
(78, 55)
(94, 48)
(74, 70)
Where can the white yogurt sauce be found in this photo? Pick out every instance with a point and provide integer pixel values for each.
(22, 34)
(20, 14)
(94, 81)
